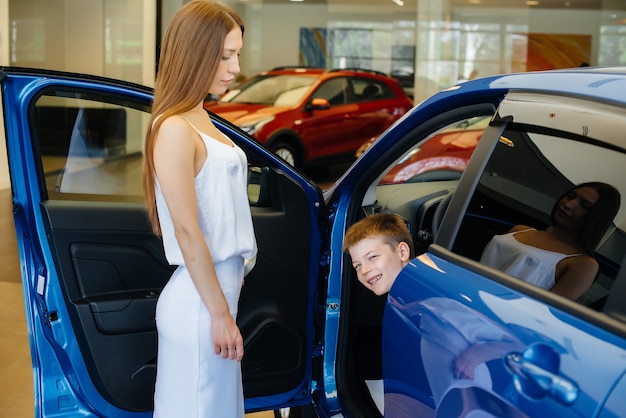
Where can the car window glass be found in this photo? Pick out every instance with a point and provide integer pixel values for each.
(90, 146)
(415, 184)
(370, 89)
(534, 161)
(529, 169)
(277, 90)
(443, 156)
(334, 90)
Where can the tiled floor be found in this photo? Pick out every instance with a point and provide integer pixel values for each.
(16, 385)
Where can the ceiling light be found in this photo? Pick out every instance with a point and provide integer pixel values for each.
(398, 2)
(532, 3)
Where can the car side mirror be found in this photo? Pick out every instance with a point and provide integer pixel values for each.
(318, 104)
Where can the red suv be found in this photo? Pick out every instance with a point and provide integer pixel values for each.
(306, 114)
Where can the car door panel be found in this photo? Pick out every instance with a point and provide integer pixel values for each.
(616, 403)
(272, 306)
(93, 279)
(113, 276)
(329, 131)
(449, 310)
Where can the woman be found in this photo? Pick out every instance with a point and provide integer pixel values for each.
(560, 259)
(195, 187)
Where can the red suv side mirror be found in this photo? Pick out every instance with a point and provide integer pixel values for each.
(318, 104)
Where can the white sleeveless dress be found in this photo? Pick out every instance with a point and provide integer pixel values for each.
(531, 264)
(192, 381)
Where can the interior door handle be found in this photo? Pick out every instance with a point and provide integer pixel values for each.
(535, 372)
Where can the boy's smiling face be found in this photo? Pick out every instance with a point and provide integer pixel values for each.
(377, 263)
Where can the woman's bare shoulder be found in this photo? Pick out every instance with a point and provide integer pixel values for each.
(174, 129)
(175, 137)
(581, 264)
(175, 123)
(583, 259)
(518, 228)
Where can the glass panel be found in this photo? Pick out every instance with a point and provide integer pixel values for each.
(335, 91)
(368, 90)
(431, 43)
(276, 90)
(526, 174)
(90, 146)
(443, 156)
(427, 174)
(112, 38)
(613, 41)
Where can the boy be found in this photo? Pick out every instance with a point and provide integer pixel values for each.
(380, 245)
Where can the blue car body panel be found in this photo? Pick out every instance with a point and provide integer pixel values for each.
(450, 308)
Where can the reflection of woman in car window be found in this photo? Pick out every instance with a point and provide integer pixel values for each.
(561, 258)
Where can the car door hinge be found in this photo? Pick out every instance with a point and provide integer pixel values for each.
(325, 259)
(318, 350)
(50, 317)
(319, 314)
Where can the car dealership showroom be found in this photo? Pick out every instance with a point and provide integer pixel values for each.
(425, 46)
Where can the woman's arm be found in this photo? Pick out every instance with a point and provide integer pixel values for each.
(178, 156)
(575, 275)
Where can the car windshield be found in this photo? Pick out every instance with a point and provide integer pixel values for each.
(443, 156)
(273, 90)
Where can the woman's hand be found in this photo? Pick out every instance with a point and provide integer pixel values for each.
(227, 339)
(466, 362)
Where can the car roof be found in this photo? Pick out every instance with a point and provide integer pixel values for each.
(318, 71)
(595, 83)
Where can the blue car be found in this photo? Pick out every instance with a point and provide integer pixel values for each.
(316, 341)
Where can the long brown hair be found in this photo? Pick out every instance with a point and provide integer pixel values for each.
(190, 54)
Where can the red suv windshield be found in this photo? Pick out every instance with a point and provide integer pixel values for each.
(273, 90)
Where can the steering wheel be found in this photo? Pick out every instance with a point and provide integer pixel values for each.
(442, 207)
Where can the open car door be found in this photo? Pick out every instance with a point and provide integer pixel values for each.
(92, 270)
